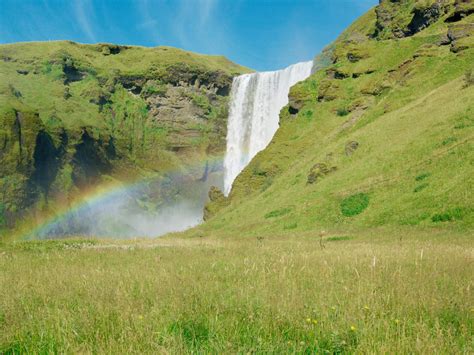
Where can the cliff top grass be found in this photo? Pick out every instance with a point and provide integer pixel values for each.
(34, 75)
(104, 57)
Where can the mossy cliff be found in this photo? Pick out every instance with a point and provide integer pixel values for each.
(74, 116)
(380, 136)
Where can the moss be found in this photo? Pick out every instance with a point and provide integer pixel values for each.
(3, 219)
(451, 215)
(354, 204)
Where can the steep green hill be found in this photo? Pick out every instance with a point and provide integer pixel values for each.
(383, 136)
(74, 116)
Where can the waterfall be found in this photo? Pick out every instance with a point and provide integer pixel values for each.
(256, 101)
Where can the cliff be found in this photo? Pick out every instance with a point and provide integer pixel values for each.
(74, 116)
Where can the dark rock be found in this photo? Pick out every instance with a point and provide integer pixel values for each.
(217, 201)
(424, 17)
(353, 57)
(46, 162)
(443, 40)
(390, 18)
(462, 9)
(72, 74)
(15, 92)
(111, 49)
(22, 72)
(215, 194)
(351, 147)
(334, 73)
(89, 161)
(318, 171)
(357, 75)
(293, 110)
(295, 104)
(328, 91)
(457, 32)
(66, 94)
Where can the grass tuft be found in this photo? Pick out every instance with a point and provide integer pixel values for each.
(355, 204)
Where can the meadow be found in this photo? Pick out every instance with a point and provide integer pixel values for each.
(384, 291)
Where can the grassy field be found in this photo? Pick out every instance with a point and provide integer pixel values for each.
(383, 291)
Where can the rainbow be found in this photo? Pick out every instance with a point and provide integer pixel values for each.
(105, 204)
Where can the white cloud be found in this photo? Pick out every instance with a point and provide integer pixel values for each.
(83, 11)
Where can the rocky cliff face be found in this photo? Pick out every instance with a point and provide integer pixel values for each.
(73, 116)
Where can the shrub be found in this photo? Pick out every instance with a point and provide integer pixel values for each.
(355, 204)
(201, 101)
(194, 333)
(468, 78)
(449, 140)
(338, 238)
(288, 226)
(342, 111)
(152, 89)
(420, 187)
(55, 71)
(449, 216)
(308, 114)
(267, 183)
(422, 176)
(278, 213)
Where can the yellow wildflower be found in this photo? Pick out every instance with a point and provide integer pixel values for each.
(353, 328)
(315, 321)
(308, 320)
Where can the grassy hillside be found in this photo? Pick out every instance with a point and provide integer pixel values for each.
(382, 136)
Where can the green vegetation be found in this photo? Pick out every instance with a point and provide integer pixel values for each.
(409, 122)
(3, 220)
(355, 204)
(361, 293)
(451, 215)
(468, 78)
(278, 213)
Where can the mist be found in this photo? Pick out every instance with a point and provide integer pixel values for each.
(149, 209)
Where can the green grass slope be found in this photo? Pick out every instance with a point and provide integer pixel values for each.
(383, 137)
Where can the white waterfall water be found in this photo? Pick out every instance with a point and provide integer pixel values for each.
(256, 101)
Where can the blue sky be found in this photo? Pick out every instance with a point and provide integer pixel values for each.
(261, 34)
